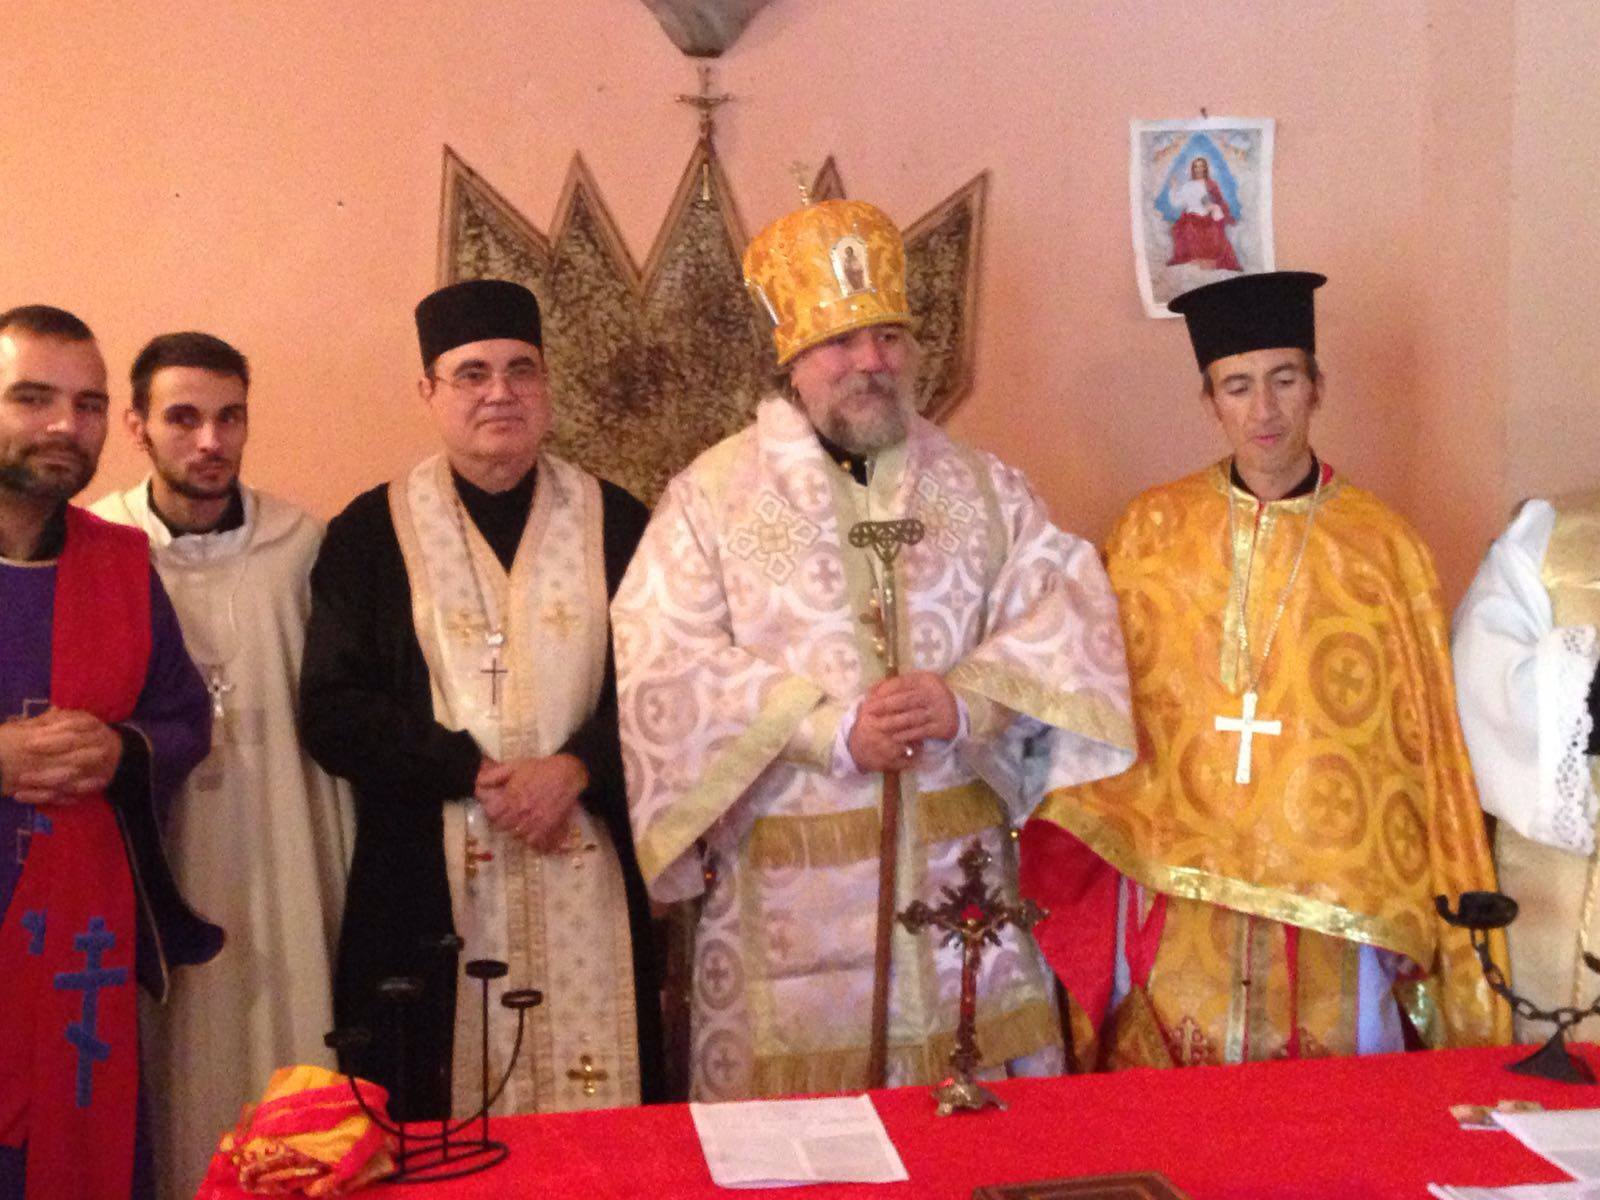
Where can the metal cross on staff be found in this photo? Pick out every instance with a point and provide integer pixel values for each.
(885, 539)
(972, 917)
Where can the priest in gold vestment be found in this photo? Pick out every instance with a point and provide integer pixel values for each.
(756, 717)
(1261, 884)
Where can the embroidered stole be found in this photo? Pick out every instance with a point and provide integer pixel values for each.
(68, 1025)
(560, 919)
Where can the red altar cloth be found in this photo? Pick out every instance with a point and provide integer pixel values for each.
(1329, 1129)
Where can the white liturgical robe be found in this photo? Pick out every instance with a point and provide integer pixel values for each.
(1526, 646)
(259, 837)
(741, 649)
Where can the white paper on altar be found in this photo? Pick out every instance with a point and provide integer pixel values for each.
(781, 1143)
(1583, 1189)
(1569, 1138)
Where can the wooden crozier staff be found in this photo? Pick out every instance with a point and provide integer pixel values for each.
(884, 539)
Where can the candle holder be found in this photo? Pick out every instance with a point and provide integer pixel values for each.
(1484, 911)
(455, 1149)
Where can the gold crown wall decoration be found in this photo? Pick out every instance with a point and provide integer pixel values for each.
(651, 365)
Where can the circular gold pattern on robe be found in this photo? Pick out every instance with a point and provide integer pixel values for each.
(1346, 677)
(719, 975)
(1358, 579)
(1407, 724)
(1205, 775)
(1326, 802)
(1141, 623)
(1404, 837)
(1155, 528)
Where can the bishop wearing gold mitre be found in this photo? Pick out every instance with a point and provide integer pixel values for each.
(1261, 883)
(762, 718)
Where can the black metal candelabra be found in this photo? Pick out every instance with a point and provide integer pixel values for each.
(1482, 912)
(455, 1149)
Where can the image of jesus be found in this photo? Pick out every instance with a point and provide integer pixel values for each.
(1199, 235)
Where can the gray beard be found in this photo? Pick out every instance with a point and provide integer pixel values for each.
(869, 434)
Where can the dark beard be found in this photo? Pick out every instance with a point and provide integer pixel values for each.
(189, 491)
(18, 477)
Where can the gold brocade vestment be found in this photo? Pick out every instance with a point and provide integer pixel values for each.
(1355, 815)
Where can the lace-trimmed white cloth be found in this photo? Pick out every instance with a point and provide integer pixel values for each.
(1523, 687)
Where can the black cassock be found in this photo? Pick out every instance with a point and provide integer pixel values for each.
(366, 714)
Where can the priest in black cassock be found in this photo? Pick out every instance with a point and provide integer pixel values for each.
(458, 672)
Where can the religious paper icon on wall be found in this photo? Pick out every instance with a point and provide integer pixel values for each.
(1201, 198)
(849, 256)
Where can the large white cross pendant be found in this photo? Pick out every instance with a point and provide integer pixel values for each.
(1246, 726)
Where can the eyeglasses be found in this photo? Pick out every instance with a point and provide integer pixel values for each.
(474, 382)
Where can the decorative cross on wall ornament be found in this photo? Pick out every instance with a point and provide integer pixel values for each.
(706, 104)
(972, 917)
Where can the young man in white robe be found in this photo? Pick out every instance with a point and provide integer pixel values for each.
(260, 836)
(1526, 645)
(757, 719)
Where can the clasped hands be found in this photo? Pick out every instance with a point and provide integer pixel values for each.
(531, 798)
(57, 757)
(897, 715)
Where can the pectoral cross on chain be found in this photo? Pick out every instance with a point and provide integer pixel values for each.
(494, 670)
(1246, 726)
(218, 688)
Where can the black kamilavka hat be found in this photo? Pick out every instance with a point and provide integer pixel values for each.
(1264, 311)
(476, 310)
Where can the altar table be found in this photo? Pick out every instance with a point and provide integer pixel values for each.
(1336, 1128)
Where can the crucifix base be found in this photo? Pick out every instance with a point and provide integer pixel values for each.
(959, 1094)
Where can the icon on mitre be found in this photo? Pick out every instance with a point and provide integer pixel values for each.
(849, 255)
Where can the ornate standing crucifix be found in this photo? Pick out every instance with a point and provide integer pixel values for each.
(884, 539)
(972, 917)
(1246, 726)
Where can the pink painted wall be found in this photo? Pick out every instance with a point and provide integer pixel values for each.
(271, 173)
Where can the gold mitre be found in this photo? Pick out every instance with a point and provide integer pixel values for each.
(827, 269)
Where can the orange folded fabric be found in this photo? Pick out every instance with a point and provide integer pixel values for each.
(307, 1135)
